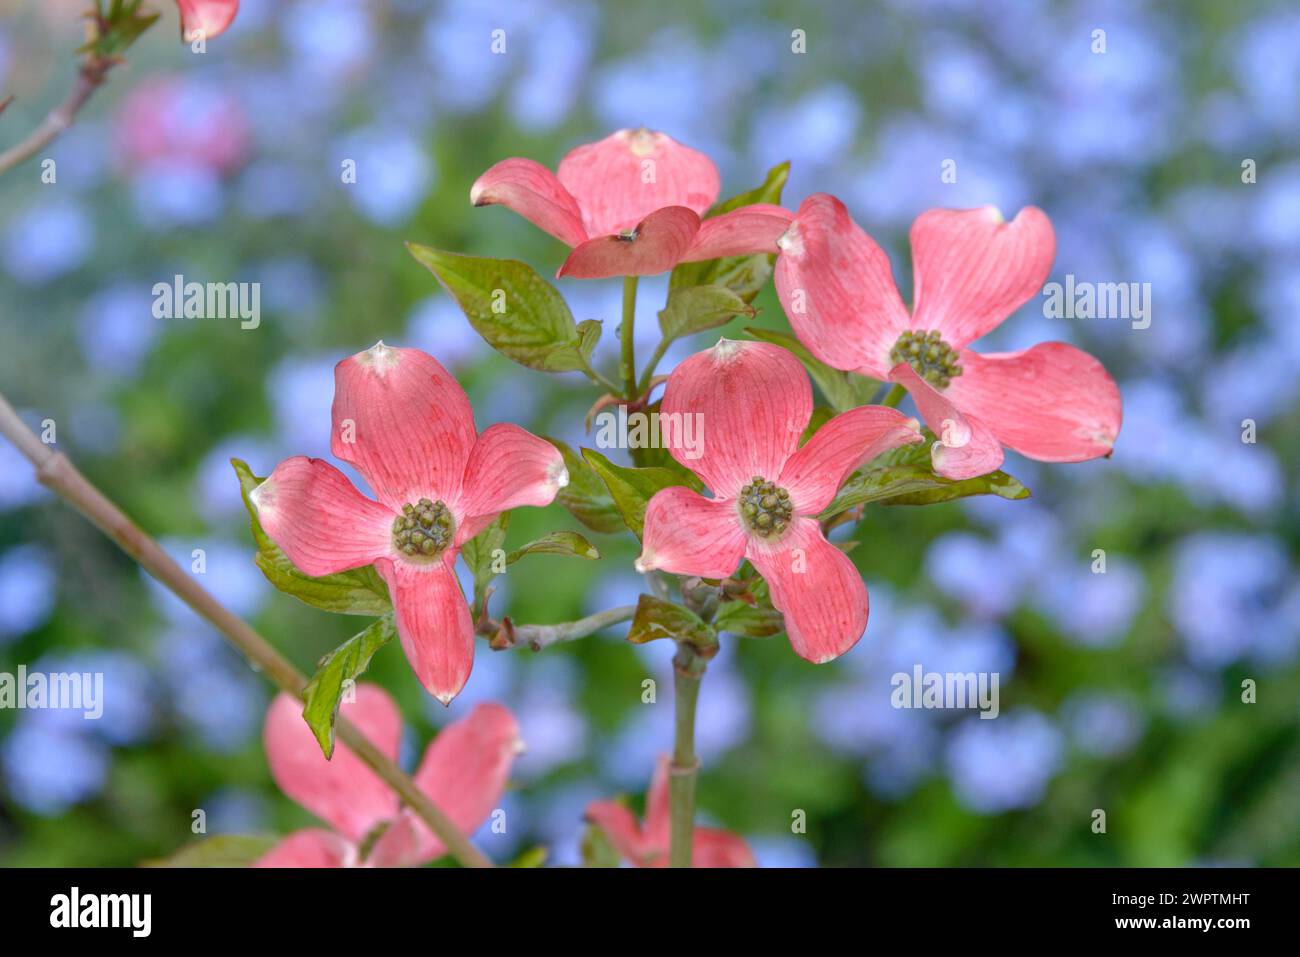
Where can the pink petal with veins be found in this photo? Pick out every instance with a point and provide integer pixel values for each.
(628, 175)
(656, 245)
(534, 192)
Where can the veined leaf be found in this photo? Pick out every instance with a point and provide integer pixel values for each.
(514, 309)
(221, 850)
(692, 309)
(631, 489)
(586, 496)
(556, 543)
(656, 618)
(344, 664)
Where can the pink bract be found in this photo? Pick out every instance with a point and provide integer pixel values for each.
(754, 402)
(206, 18)
(630, 205)
(406, 425)
(972, 269)
(648, 846)
(464, 772)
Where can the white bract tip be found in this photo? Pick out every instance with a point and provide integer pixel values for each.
(379, 357)
(790, 242)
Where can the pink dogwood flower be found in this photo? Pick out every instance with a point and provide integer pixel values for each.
(406, 425)
(648, 846)
(464, 772)
(206, 18)
(971, 269)
(630, 205)
(754, 402)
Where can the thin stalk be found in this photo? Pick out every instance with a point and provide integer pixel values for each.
(688, 669)
(647, 376)
(627, 363)
(56, 471)
(90, 76)
(506, 634)
(894, 396)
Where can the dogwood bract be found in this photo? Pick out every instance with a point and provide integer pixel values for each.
(206, 18)
(755, 402)
(648, 846)
(464, 772)
(407, 426)
(971, 270)
(630, 205)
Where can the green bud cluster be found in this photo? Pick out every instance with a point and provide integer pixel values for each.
(765, 508)
(423, 529)
(933, 359)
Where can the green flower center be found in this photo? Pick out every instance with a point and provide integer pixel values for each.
(765, 508)
(933, 359)
(423, 530)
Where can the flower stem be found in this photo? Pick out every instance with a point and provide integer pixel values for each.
(506, 634)
(647, 376)
(688, 669)
(627, 364)
(90, 75)
(894, 396)
(56, 471)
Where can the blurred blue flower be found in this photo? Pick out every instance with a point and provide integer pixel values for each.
(1093, 609)
(47, 240)
(438, 326)
(217, 487)
(329, 39)
(1103, 724)
(28, 589)
(176, 192)
(18, 485)
(127, 707)
(1227, 592)
(47, 770)
(234, 810)
(1003, 764)
(117, 327)
(782, 852)
(393, 173)
(559, 51)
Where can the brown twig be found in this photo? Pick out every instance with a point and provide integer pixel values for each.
(90, 76)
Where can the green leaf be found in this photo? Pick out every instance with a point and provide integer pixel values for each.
(556, 543)
(631, 489)
(533, 857)
(656, 618)
(345, 663)
(222, 850)
(917, 485)
(357, 592)
(843, 390)
(586, 496)
(694, 309)
(519, 313)
(749, 621)
(768, 192)
(597, 849)
(743, 275)
(478, 554)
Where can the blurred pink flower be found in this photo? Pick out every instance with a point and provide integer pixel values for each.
(754, 401)
(175, 120)
(972, 269)
(648, 846)
(630, 205)
(463, 772)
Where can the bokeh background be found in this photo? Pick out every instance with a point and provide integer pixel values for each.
(1120, 691)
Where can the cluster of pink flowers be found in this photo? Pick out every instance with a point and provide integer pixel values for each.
(629, 205)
